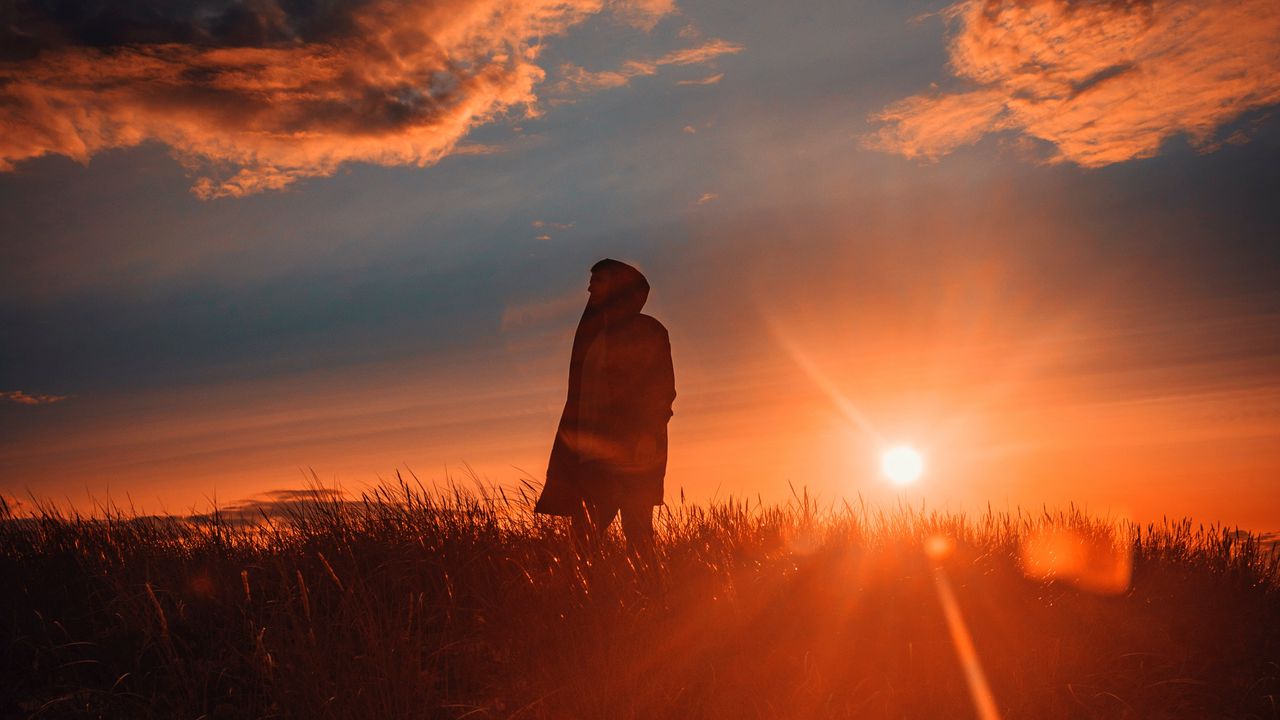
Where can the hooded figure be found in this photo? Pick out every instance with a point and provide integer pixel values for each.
(610, 451)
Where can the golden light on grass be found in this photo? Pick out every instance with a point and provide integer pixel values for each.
(938, 548)
(984, 702)
(1096, 561)
(902, 465)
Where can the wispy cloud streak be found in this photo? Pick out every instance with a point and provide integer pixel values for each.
(1101, 82)
(709, 80)
(576, 79)
(23, 398)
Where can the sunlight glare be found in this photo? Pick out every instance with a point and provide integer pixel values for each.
(902, 465)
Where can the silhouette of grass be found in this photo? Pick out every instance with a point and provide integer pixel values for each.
(411, 603)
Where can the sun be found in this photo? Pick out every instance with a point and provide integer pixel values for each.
(903, 465)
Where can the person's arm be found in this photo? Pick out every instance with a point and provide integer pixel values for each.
(651, 392)
(664, 379)
(656, 388)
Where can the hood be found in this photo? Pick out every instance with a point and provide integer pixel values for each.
(629, 294)
(628, 297)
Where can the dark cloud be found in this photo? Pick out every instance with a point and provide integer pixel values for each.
(34, 26)
(252, 95)
(278, 505)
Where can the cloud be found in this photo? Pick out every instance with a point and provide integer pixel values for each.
(576, 79)
(709, 80)
(23, 398)
(643, 14)
(552, 225)
(254, 95)
(276, 505)
(1101, 81)
(544, 224)
(709, 50)
(706, 198)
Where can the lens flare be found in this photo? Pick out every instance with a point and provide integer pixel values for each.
(902, 465)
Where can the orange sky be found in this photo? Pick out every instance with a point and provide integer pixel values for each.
(1019, 394)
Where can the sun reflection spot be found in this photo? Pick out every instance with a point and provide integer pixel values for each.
(902, 465)
(939, 547)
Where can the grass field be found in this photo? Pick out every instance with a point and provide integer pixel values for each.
(408, 603)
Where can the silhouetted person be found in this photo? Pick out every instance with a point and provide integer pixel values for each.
(610, 451)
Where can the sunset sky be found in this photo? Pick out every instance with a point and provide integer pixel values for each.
(1037, 240)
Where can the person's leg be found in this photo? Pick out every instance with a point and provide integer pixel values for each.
(580, 527)
(591, 522)
(637, 525)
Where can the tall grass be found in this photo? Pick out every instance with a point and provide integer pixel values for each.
(412, 603)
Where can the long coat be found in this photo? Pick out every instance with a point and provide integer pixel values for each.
(613, 449)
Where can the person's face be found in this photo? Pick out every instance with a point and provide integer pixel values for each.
(600, 286)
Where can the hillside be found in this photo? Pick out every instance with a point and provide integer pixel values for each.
(414, 604)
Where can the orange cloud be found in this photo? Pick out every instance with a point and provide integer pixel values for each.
(255, 98)
(23, 398)
(1102, 82)
(552, 225)
(709, 80)
(578, 79)
(643, 14)
(699, 54)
